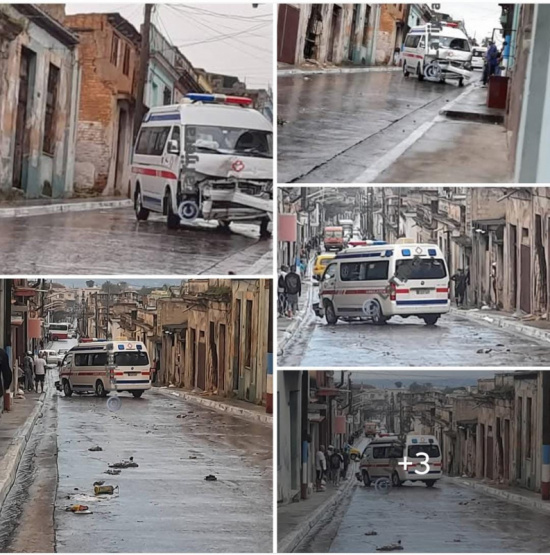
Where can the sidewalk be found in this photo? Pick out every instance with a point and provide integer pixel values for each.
(15, 429)
(296, 520)
(520, 496)
(235, 407)
(284, 70)
(538, 329)
(463, 144)
(287, 327)
(41, 207)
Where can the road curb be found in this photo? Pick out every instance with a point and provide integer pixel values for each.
(315, 519)
(246, 414)
(337, 70)
(12, 458)
(25, 211)
(503, 323)
(537, 504)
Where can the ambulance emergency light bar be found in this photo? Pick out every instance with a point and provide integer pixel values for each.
(220, 98)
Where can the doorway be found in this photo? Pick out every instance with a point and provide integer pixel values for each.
(193, 357)
(514, 265)
(221, 342)
(201, 374)
(121, 148)
(525, 285)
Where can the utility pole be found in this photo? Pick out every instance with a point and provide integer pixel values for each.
(96, 318)
(108, 308)
(383, 214)
(143, 68)
(545, 478)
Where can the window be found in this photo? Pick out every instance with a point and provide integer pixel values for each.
(451, 43)
(528, 427)
(248, 343)
(152, 140)
(81, 359)
(166, 96)
(176, 135)
(364, 271)
(330, 272)
(420, 268)
(114, 50)
(430, 449)
(412, 41)
(51, 113)
(126, 60)
(99, 359)
(131, 358)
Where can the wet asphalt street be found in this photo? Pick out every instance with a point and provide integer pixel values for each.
(454, 341)
(433, 520)
(164, 505)
(113, 242)
(337, 125)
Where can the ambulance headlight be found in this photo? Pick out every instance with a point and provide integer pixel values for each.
(190, 183)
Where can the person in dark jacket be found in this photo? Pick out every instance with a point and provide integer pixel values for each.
(5, 372)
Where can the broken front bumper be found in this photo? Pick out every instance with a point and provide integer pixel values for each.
(222, 203)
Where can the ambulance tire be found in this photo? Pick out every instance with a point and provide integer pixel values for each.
(330, 314)
(366, 478)
(378, 318)
(67, 389)
(141, 213)
(100, 389)
(430, 483)
(395, 481)
(419, 73)
(405, 70)
(172, 220)
(137, 394)
(461, 82)
(430, 319)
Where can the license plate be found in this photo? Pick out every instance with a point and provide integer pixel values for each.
(132, 373)
(423, 291)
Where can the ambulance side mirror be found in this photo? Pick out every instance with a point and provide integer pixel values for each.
(173, 147)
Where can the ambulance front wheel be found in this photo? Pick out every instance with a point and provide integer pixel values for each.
(461, 82)
(330, 313)
(67, 389)
(172, 219)
(141, 213)
(430, 319)
(419, 73)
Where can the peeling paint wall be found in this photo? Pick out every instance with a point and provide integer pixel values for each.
(43, 174)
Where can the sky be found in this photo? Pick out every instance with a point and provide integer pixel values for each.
(442, 378)
(480, 18)
(233, 39)
(77, 283)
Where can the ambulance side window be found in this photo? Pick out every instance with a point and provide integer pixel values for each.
(379, 452)
(395, 452)
(377, 270)
(412, 41)
(99, 359)
(81, 359)
(422, 42)
(176, 137)
(330, 272)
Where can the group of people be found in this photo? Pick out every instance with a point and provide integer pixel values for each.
(331, 465)
(32, 373)
(289, 289)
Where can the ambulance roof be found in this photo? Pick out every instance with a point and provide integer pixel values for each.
(387, 250)
(107, 344)
(198, 113)
(445, 31)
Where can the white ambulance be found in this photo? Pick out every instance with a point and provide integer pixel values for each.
(102, 366)
(438, 52)
(210, 157)
(379, 281)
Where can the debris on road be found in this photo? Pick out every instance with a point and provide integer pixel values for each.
(483, 351)
(96, 448)
(192, 456)
(125, 464)
(391, 547)
(210, 478)
(107, 490)
(78, 509)
(113, 472)
(182, 416)
(371, 533)
(99, 483)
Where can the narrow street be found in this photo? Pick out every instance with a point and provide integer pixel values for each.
(446, 518)
(454, 341)
(113, 242)
(163, 505)
(337, 125)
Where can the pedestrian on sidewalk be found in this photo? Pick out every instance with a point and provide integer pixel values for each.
(336, 464)
(293, 290)
(320, 468)
(346, 457)
(5, 372)
(281, 291)
(28, 370)
(491, 62)
(460, 286)
(39, 372)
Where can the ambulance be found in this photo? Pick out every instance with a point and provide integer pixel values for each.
(102, 366)
(379, 281)
(438, 52)
(416, 459)
(210, 157)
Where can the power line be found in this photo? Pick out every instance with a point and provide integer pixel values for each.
(223, 15)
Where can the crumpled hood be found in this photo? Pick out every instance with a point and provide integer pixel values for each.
(233, 166)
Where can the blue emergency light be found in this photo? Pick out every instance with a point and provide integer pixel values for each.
(406, 252)
(414, 441)
(138, 347)
(379, 242)
(432, 252)
(226, 99)
(121, 347)
(389, 253)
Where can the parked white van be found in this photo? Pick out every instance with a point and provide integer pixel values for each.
(379, 281)
(103, 366)
(382, 457)
(208, 157)
(437, 52)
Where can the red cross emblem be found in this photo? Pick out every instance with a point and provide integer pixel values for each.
(238, 165)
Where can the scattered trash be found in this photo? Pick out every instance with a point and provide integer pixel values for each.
(176, 394)
(457, 540)
(125, 464)
(500, 344)
(76, 489)
(391, 547)
(483, 351)
(192, 456)
(171, 385)
(182, 416)
(371, 533)
(99, 483)
(108, 490)
(78, 509)
(96, 448)
(210, 478)
(113, 472)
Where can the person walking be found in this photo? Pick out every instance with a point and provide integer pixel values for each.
(28, 370)
(336, 463)
(460, 286)
(320, 468)
(281, 291)
(5, 372)
(39, 373)
(293, 290)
